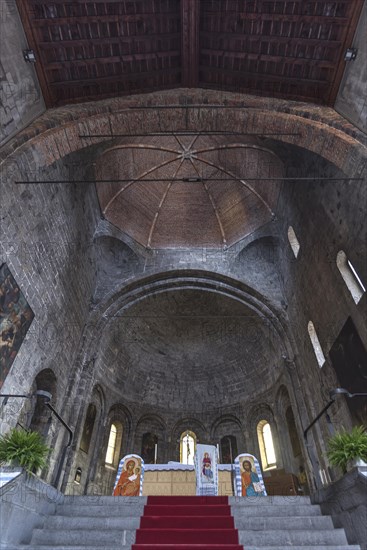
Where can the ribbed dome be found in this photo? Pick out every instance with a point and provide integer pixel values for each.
(181, 191)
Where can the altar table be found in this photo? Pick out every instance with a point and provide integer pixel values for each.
(175, 478)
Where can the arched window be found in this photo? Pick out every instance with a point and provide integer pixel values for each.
(111, 445)
(316, 344)
(114, 444)
(266, 444)
(187, 447)
(350, 276)
(293, 241)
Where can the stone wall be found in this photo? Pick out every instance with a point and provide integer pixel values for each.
(25, 504)
(20, 94)
(327, 216)
(46, 235)
(345, 501)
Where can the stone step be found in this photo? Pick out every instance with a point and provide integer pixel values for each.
(97, 500)
(276, 523)
(91, 522)
(315, 538)
(100, 510)
(83, 537)
(293, 547)
(327, 537)
(266, 501)
(275, 511)
(71, 547)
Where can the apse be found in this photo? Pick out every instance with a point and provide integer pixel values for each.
(190, 351)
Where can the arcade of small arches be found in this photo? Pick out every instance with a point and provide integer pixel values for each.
(105, 438)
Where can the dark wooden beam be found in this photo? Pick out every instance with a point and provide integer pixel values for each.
(59, 64)
(254, 76)
(249, 38)
(110, 40)
(127, 77)
(190, 15)
(87, 20)
(230, 56)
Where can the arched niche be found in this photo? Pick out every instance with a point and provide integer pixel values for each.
(91, 434)
(42, 416)
(227, 431)
(150, 431)
(290, 436)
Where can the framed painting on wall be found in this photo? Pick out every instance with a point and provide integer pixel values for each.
(16, 317)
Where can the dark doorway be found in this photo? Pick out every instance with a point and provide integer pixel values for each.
(148, 444)
(349, 359)
(228, 448)
(88, 428)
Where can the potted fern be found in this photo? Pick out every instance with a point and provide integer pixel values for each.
(348, 449)
(24, 449)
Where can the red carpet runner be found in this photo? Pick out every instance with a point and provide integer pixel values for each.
(187, 523)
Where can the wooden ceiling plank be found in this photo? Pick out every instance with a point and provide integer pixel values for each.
(268, 38)
(190, 14)
(277, 17)
(85, 19)
(262, 76)
(112, 59)
(113, 40)
(268, 57)
(115, 78)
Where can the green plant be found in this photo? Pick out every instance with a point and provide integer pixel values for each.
(346, 446)
(23, 448)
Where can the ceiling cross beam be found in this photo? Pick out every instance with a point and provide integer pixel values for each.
(190, 18)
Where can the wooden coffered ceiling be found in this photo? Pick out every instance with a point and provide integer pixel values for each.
(88, 50)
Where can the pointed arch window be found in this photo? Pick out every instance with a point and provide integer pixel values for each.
(316, 344)
(187, 447)
(350, 276)
(293, 241)
(267, 451)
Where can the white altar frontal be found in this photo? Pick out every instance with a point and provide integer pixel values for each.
(175, 478)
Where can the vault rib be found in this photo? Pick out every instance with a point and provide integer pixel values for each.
(221, 228)
(161, 204)
(235, 178)
(138, 178)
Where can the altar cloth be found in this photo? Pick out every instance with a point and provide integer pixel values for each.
(172, 466)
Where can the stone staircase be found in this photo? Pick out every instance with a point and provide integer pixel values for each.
(270, 523)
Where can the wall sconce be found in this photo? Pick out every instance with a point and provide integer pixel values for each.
(350, 54)
(29, 56)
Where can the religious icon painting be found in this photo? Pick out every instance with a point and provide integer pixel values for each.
(249, 479)
(206, 466)
(130, 476)
(15, 319)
